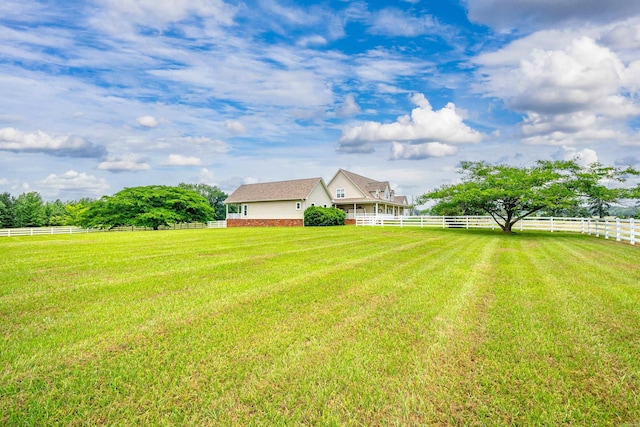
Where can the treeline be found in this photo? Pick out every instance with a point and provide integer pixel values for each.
(150, 206)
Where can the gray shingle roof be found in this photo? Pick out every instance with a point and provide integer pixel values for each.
(298, 189)
(368, 187)
(401, 200)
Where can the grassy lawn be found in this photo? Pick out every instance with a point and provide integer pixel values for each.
(321, 326)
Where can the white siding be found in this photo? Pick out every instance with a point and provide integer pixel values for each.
(286, 209)
(318, 197)
(350, 190)
(274, 210)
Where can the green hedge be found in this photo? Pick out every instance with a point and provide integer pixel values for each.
(316, 216)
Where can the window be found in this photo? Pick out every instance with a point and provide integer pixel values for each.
(245, 209)
(340, 193)
(298, 206)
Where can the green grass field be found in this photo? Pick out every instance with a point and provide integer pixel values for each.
(319, 326)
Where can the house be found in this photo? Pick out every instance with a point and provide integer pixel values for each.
(283, 203)
(276, 203)
(359, 195)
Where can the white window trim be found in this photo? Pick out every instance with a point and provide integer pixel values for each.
(298, 206)
(245, 210)
(340, 193)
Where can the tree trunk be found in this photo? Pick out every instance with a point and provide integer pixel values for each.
(508, 223)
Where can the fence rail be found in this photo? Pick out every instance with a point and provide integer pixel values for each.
(619, 229)
(41, 231)
(217, 224)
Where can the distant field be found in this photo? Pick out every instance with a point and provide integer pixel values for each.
(322, 326)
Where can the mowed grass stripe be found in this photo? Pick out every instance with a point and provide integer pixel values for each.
(552, 356)
(153, 291)
(344, 326)
(254, 327)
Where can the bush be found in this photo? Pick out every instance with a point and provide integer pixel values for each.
(316, 216)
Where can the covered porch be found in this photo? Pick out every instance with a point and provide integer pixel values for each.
(373, 209)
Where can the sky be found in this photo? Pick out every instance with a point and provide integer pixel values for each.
(96, 96)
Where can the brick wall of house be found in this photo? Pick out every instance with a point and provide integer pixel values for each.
(265, 223)
(350, 222)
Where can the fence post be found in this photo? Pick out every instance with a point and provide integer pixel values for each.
(597, 228)
(632, 232)
(582, 225)
(443, 221)
(617, 229)
(421, 221)
(606, 228)
(551, 224)
(400, 222)
(467, 221)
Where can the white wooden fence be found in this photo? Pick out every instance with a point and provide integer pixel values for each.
(619, 229)
(217, 224)
(40, 231)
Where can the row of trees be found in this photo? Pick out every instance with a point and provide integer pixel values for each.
(554, 188)
(507, 193)
(151, 206)
(29, 210)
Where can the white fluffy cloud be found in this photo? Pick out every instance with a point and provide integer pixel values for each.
(12, 139)
(206, 176)
(180, 160)
(119, 16)
(235, 127)
(421, 151)
(349, 107)
(395, 22)
(424, 125)
(581, 75)
(74, 182)
(575, 91)
(568, 129)
(124, 164)
(583, 157)
(147, 121)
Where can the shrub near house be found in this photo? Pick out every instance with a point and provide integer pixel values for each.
(317, 216)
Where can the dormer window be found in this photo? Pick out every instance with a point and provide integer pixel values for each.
(386, 194)
(377, 193)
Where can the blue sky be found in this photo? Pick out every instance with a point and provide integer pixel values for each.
(102, 95)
